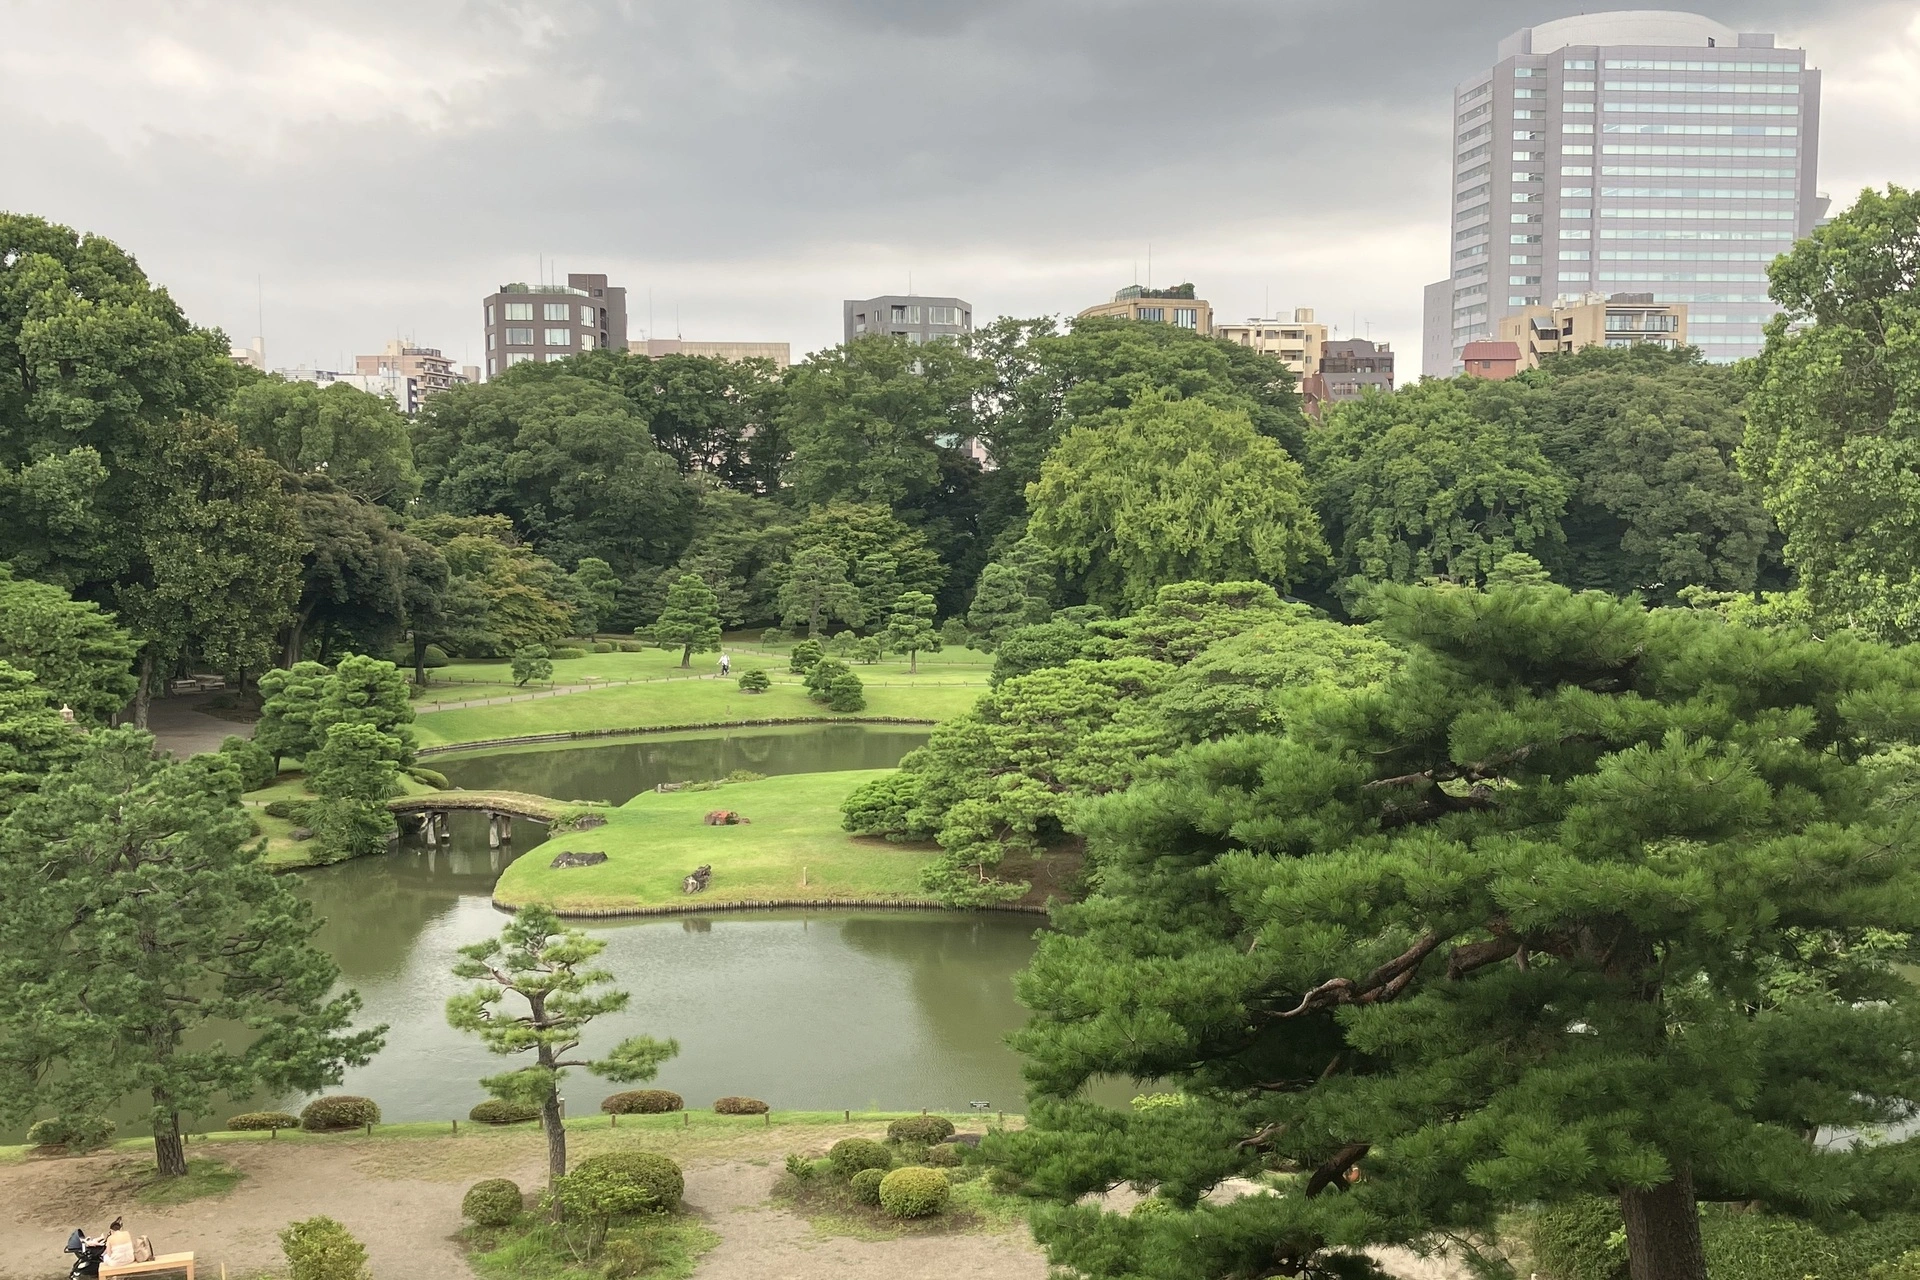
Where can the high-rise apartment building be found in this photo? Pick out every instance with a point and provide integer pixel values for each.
(913, 318)
(1175, 306)
(553, 321)
(1636, 152)
(423, 370)
(1296, 342)
(1574, 324)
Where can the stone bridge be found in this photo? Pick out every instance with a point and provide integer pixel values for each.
(501, 808)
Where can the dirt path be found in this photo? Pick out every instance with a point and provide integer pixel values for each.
(178, 725)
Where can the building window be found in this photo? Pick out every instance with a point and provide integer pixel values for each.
(1151, 313)
(557, 311)
(1186, 317)
(519, 311)
(519, 337)
(515, 357)
(1576, 213)
(492, 343)
(1578, 86)
(1576, 235)
(907, 314)
(489, 314)
(586, 342)
(1577, 64)
(1574, 255)
(860, 325)
(1523, 280)
(555, 355)
(586, 315)
(943, 315)
(1576, 191)
(560, 337)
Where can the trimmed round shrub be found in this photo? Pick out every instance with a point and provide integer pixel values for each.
(740, 1106)
(804, 656)
(866, 1185)
(920, 1129)
(846, 693)
(1150, 1206)
(914, 1192)
(943, 1155)
(341, 1111)
(820, 678)
(603, 646)
(75, 1133)
(755, 681)
(256, 764)
(500, 1111)
(642, 1102)
(492, 1203)
(565, 652)
(851, 1155)
(652, 1177)
(431, 777)
(290, 810)
(255, 1121)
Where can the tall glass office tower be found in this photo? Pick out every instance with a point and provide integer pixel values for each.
(1631, 152)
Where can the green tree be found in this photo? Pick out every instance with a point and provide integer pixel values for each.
(821, 676)
(322, 1249)
(364, 690)
(1000, 604)
(289, 699)
(866, 420)
(549, 968)
(1580, 902)
(33, 738)
(1250, 682)
(355, 573)
(597, 587)
(858, 533)
(910, 628)
(355, 439)
(354, 771)
(500, 596)
(140, 920)
(690, 619)
(79, 656)
(817, 590)
(1832, 440)
(1419, 485)
(531, 663)
(1171, 491)
(715, 417)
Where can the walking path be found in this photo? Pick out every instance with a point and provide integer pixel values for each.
(178, 725)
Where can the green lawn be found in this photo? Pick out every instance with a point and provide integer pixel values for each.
(793, 850)
(891, 694)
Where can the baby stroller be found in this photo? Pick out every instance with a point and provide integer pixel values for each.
(87, 1255)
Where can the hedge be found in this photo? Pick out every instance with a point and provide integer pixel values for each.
(656, 1176)
(851, 1155)
(914, 1192)
(642, 1102)
(492, 1203)
(1577, 1240)
(731, 1106)
(251, 1121)
(564, 652)
(341, 1111)
(500, 1111)
(866, 1185)
(920, 1129)
(75, 1133)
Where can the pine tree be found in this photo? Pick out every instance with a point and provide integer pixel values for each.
(1000, 604)
(548, 967)
(1583, 900)
(910, 628)
(140, 928)
(290, 697)
(355, 771)
(817, 590)
(690, 618)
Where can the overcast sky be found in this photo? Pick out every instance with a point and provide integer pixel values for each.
(372, 170)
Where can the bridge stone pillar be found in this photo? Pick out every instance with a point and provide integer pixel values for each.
(493, 830)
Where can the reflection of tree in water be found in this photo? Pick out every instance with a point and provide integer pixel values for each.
(960, 966)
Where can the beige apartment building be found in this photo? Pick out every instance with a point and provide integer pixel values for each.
(1176, 306)
(1296, 343)
(1592, 320)
(421, 371)
(780, 353)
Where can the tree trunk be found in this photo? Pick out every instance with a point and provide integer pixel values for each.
(913, 662)
(686, 657)
(143, 692)
(168, 1151)
(556, 1138)
(297, 635)
(419, 660)
(1663, 1230)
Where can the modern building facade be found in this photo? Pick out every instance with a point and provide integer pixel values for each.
(423, 369)
(1296, 343)
(1639, 152)
(552, 322)
(393, 386)
(1176, 306)
(1349, 366)
(1573, 324)
(913, 318)
(779, 352)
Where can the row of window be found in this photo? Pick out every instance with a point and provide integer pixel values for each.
(1669, 171)
(550, 312)
(1700, 108)
(1661, 64)
(1183, 317)
(1642, 86)
(523, 337)
(1692, 233)
(1613, 149)
(1740, 130)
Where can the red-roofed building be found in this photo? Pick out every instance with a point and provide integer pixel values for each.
(1493, 361)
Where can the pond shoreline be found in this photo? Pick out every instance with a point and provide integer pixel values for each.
(572, 735)
(773, 904)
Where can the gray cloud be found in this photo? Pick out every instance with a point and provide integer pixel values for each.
(377, 168)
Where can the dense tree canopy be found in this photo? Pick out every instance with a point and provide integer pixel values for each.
(78, 656)
(356, 439)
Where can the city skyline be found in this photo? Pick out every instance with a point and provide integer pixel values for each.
(259, 166)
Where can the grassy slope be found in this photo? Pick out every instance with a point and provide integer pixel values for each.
(654, 840)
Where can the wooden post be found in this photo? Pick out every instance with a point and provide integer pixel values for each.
(456, 1128)
(686, 1120)
(369, 1128)
(769, 1116)
(803, 877)
(848, 1115)
(613, 1120)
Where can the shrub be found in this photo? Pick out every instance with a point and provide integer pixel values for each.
(257, 766)
(630, 646)
(603, 646)
(75, 1133)
(944, 1155)
(804, 655)
(431, 777)
(772, 636)
(1576, 1240)
(820, 677)
(628, 1256)
(867, 651)
(954, 634)
(291, 810)
(846, 693)
(755, 681)
(642, 1102)
(341, 1111)
(740, 1106)
(531, 662)
(432, 656)
(1759, 1246)
(884, 807)
(920, 1129)
(255, 1121)
(841, 645)
(1151, 1206)
(500, 1111)
(914, 1192)
(567, 652)
(322, 1249)
(649, 1180)
(493, 1203)
(1906, 1267)
(866, 1185)
(799, 1168)
(851, 1155)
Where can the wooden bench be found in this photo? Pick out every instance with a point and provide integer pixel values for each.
(165, 1262)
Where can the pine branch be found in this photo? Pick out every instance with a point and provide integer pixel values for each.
(1384, 983)
(1334, 1172)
